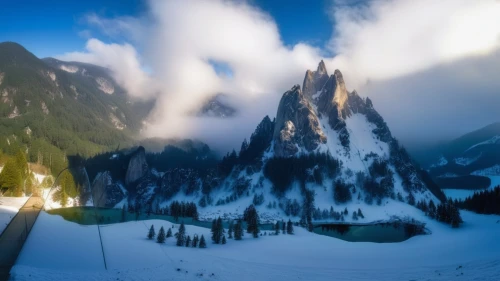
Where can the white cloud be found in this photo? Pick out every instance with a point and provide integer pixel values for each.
(387, 38)
(124, 63)
(378, 41)
(432, 66)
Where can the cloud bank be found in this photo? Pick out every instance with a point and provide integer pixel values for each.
(377, 46)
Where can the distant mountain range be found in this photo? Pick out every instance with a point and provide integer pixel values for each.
(465, 161)
(51, 108)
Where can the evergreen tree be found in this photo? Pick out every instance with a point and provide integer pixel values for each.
(22, 164)
(188, 241)
(169, 233)
(283, 227)
(124, 215)
(238, 230)
(11, 179)
(346, 212)
(29, 184)
(230, 230)
(203, 244)
(195, 241)
(151, 233)
(220, 230)
(161, 236)
(310, 226)
(252, 218)
(181, 235)
(277, 228)
(432, 209)
(289, 227)
(223, 241)
(360, 214)
(214, 231)
(217, 231)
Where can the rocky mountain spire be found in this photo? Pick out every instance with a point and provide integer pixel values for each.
(334, 97)
(296, 125)
(137, 166)
(315, 80)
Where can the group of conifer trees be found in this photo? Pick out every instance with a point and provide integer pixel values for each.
(446, 212)
(482, 202)
(16, 179)
(285, 228)
(182, 239)
(235, 231)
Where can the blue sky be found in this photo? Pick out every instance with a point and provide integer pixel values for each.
(52, 27)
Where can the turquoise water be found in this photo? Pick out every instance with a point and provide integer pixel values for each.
(390, 232)
(378, 233)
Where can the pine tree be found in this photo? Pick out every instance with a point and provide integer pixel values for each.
(169, 233)
(188, 241)
(252, 218)
(277, 228)
(124, 214)
(230, 230)
(220, 230)
(181, 235)
(203, 244)
(310, 226)
(195, 241)
(151, 233)
(238, 230)
(214, 231)
(289, 227)
(161, 236)
(283, 227)
(360, 214)
(346, 212)
(29, 184)
(22, 164)
(10, 178)
(223, 239)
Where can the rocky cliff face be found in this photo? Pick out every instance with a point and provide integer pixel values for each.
(297, 125)
(105, 192)
(137, 166)
(314, 81)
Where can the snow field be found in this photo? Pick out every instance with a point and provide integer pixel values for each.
(61, 250)
(9, 206)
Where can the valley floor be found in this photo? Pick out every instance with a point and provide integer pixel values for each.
(60, 250)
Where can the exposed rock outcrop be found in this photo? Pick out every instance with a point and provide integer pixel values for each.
(137, 166)
(296, 125)
(251, 152)
(105, 193)
(333, 100)
(218, 107)
(314, 81)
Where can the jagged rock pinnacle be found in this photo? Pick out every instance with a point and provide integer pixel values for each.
(296, 125)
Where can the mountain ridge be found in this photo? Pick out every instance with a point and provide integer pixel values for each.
(299, 164)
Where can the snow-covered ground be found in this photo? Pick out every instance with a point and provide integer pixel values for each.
(9, 206)
(464, 193)
(61, 250)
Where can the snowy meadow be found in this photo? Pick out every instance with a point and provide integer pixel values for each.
(61, 250)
